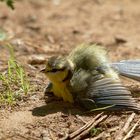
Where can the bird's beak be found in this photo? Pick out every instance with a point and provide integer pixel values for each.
(43, 70)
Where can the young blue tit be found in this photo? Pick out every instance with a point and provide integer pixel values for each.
(87, 77)
(59, 73)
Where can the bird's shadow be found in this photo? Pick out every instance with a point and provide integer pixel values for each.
(54, 107)
(67, 108)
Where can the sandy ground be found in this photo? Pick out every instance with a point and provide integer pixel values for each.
(53, 27)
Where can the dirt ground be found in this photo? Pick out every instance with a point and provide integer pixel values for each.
(40, 29)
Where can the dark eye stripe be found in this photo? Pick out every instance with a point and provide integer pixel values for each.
(55, 70)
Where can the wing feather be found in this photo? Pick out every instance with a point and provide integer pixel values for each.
(108, 92)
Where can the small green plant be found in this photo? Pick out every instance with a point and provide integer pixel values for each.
(95, 131)
(14, 82)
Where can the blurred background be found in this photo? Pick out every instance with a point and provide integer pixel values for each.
(59, 25)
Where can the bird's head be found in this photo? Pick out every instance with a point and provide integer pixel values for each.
(57, 69)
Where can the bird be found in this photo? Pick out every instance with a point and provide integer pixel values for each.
(87, 77)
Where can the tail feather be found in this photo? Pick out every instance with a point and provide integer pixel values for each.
(128, 68)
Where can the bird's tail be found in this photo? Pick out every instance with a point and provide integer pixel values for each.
(128, 68)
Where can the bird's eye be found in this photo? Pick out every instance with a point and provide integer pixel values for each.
(55, 70)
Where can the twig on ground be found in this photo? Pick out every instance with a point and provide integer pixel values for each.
(83, 131)
(25, 137)
(80, 118)
(84, 127)
(51, 134)
(127, 124)
(113, 129)
(128, 135)
(125, 129)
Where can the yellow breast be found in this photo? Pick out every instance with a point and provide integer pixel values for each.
(60, 90)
